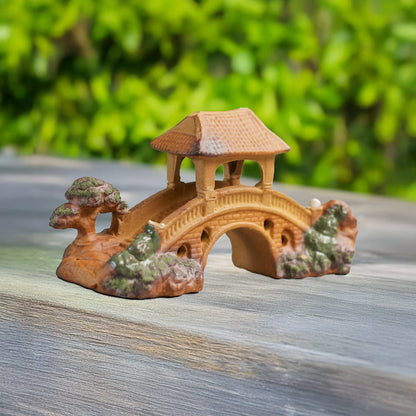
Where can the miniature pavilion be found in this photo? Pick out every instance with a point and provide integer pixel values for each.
(227, 138)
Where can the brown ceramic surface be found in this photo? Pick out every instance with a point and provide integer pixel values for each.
(270, 233)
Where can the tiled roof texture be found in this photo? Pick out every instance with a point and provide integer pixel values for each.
(220, 133)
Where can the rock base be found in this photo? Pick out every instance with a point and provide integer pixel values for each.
(328, 246)
(157, 275)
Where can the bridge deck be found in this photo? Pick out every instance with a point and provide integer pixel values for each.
(246, 344)
(235, 197)
(154, 208)
(164, 204)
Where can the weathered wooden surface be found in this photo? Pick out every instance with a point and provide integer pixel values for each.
(246, 345)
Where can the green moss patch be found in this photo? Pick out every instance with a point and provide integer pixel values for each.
(139, 266)
(62, 211)
(93, 192)
(322, 251)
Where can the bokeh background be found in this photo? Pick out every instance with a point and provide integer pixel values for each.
(336, 79)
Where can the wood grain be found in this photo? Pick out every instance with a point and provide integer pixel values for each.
(245, 345)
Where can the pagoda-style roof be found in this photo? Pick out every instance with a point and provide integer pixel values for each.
(220, 133)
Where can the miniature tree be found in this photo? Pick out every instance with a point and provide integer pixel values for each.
(87, 198)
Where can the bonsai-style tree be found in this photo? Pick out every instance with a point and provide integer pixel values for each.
(87, 198)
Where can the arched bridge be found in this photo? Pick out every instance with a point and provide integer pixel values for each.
(261, 224)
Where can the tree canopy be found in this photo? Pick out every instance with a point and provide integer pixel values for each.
(87, 197)
(336, 79)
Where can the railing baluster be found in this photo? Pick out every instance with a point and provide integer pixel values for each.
(284, 206)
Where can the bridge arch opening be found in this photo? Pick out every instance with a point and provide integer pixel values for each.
(205, 238)
(251, 249)
(287, 240)
(268, 225)
(183, 251)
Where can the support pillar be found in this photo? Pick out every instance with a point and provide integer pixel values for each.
(232, 172)
(267, 173)
(173, 169)
(205, 182)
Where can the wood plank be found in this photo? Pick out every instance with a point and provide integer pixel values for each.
(246, 344)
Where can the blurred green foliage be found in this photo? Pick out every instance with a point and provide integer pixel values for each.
(336, 79)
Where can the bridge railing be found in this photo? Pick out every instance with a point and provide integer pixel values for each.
(248, 196)
(174, 226)
(283, 203)
(176, 223)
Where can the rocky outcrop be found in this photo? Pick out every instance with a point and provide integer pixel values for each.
(329, 245)
(139, 272)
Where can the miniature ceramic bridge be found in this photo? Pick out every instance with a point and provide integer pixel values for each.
(270, 233)
(190, 217)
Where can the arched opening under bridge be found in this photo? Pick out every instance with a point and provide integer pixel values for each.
(251, 248)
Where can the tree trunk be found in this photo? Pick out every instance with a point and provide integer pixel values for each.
(86, 224)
